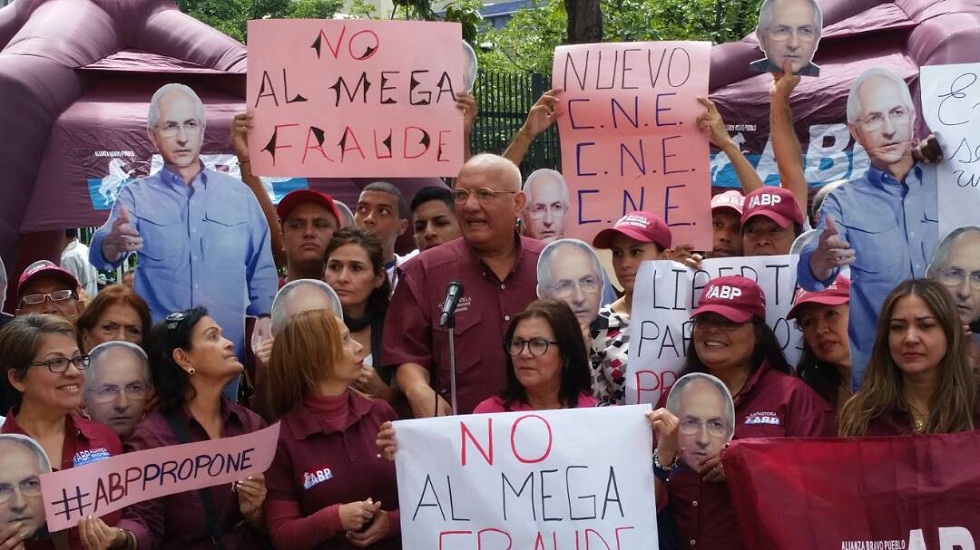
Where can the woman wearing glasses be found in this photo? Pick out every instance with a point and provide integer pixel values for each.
(732, 342)
(919, 378)
(547, 366)
(191, 362)
(42, 363)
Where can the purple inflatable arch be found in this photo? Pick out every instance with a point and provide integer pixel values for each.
(75, 81)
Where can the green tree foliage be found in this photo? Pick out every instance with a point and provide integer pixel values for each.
(529, 39)
(231, 16)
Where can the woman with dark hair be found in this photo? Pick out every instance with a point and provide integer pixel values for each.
(45, 369)
(547, 365)
(732, 342)
(116, 314)
(826, 361)
(191, 361)
(355, 270)
(919, 378)
(327, 425)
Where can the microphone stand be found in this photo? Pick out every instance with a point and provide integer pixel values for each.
(451, 325)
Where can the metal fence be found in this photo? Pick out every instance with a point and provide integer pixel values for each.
(504, 100)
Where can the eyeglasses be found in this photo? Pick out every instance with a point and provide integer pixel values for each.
(174, 319)
(692, 426)
(714, 320)
(535, 346)
(876, 121)
(109, 393)
(557, 209)
(30, 487)
(955, 276)
(565, 288)
(782, 33)
(60, 365)
(171, 129)
(56, 296)
(483, 194)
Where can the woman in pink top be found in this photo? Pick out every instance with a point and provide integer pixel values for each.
(547, 363)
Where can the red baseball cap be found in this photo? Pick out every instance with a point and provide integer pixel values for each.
(42, 269)
(734, 297)
(728, 199)
(640, 226)
(775, 203)
(839, 292)
(299, 196)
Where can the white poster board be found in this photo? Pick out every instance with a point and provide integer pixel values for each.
(950, 99)
(538, 479)
(664, 295)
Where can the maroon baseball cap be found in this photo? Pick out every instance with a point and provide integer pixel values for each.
(734, 297)
(729, 199)
(839, 292)
(775, 203)
(42, 269)
(300, 196)
(640, 226)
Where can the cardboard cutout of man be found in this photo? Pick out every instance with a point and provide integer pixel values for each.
(706, 417)
(201, 237)
(547, 205)
(789, 32)
(22, 461)
(956, 264)
(570, 271)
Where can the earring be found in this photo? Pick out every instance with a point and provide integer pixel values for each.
(191, 371)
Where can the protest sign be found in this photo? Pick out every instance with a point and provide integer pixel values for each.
(355, 98)
(950, 95)
(542, 479)
(883, 493)
(664, 295)
(99, 488)
(629, 140)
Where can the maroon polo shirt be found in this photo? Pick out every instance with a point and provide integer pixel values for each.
(86, 441)
(771, 404)
(900, 423)
(178, 521)
(327, 457)
(412, 333)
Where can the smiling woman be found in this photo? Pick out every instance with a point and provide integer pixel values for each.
(43, 365)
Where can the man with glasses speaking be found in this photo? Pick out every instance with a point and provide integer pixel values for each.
(788, 32)
(496, 267)
(200, 235)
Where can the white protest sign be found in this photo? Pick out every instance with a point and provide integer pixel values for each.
(664, 295)
(951, 107)
(541, 479)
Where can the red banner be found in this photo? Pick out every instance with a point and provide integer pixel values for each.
(886, 493)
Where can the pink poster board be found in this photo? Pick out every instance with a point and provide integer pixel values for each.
(341, 98)
(99, 488)
(629, 140)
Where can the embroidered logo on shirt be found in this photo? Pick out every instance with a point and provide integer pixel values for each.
(767, 417)
(464, 304)
(89, 456)
(313, 478)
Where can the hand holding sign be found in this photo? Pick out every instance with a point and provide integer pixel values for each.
(251, 495)
(832, 252)
(783, 83)
(543, 113)
(96, 535)
(123, 238)
(13, 536)
(664, 424)
(239, 135)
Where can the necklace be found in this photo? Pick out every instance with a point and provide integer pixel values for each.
(918, 420)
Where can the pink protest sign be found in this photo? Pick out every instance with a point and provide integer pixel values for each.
(341, 98)
(629, 140)
(108, 485)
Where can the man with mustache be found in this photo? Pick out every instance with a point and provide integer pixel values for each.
(882, 224)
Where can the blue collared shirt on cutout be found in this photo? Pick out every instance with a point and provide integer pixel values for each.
(893, 228)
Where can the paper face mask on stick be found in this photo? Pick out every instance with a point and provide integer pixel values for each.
(788, 32)
(22, 461)
(706, 415)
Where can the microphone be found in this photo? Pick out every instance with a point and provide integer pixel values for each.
(454, 291)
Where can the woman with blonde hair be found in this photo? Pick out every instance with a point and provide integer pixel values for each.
(328, 488)
(919, 378)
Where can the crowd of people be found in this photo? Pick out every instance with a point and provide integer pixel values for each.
(209, 342)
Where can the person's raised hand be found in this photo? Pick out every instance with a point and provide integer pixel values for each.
(239, 135)
(543, 113)
(664, 425)
(710, 121)
(686, 255)
(928, 151)
(386, 442)
(783, 83)
(832, 251)
(123, 237)
(251, 493)
(466, 103)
